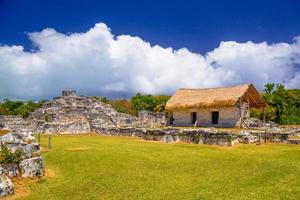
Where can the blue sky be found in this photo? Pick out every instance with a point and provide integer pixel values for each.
(197, 26)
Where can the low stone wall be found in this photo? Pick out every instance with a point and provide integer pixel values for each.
(170, 135)
(199, 136)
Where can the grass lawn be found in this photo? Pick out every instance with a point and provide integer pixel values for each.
(106, 167)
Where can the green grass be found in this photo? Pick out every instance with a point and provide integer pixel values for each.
(106, 167)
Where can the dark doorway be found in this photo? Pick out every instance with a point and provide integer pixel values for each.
(194, 117)
(215, 117)
(171, 118)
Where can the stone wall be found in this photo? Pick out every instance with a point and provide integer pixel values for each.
(30, 165)
(148, 118)
(69, 93)
(12, 122)
(228, 117)
(210, 136)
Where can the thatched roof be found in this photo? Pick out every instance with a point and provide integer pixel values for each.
(184, 99)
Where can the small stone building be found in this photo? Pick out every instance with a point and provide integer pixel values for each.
(213, 107)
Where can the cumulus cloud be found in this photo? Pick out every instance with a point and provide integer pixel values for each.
(97, 62)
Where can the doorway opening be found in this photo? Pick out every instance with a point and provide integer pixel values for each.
(194, 117)
(215, 117)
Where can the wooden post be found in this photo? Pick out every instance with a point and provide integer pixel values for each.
(39, 138)
(259, 138)
(265, 137)
(49, 141)
(240, 111)
(195, 125)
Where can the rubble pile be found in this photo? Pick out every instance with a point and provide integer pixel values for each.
(256, 123)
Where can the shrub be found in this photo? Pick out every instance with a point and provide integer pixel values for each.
(150, 102)
(123, 106)
(7, 156)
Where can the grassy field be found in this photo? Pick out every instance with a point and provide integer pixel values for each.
(104, 167)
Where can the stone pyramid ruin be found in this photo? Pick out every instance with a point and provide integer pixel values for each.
(71, 113)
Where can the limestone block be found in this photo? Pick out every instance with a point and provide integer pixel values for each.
(6, 186)
(32, 167)
(11, 169)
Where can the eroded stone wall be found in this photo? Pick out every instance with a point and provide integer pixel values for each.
(148, 118)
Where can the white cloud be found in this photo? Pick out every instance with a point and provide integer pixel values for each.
(97, 62)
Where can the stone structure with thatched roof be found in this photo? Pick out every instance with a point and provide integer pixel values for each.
(221, 107)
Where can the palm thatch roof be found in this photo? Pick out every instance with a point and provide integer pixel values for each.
(184, 99)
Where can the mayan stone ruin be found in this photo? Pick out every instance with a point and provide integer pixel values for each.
(71, 113)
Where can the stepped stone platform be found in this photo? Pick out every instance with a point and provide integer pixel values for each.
(71, 113)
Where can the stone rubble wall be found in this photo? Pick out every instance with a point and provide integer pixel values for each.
(200, 136)
(31, 164)
(258, 124)
(148, 118)
(12, 122)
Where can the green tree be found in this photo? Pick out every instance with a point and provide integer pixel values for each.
(24, 108)
(284, 104)
(149, 102)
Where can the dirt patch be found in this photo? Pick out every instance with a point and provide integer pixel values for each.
(50, 173)
(22, 185)
(21, 188)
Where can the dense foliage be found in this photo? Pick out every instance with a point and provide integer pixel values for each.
(123, 106)
(150, 102)
(138, 102)
(7, 156)
(284, 104)
(9, 107)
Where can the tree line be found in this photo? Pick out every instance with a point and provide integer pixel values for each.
(23, 108)
(283, 104)
(154, 103)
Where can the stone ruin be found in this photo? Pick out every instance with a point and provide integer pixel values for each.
(148, 118)
(30, 165)
(71, 113)
(12, 122)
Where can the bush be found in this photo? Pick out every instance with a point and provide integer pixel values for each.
(7, 156)
(123, 106)
(150, 102)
